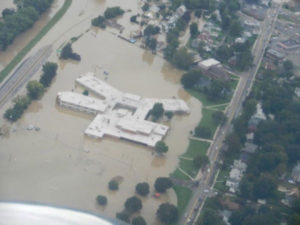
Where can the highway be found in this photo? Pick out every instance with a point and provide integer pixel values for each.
(23, 73)
(207, 179)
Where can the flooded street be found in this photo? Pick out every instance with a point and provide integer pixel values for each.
(60, 166)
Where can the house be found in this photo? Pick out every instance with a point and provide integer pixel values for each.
(249, 147)
(290, 44)
(275, 55)
(297, 92)
(296, 173)
(250, 137)
(254, 11)
(206, 64)
(213, 68)
(218, 72)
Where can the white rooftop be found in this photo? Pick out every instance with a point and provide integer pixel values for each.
(82, 101)
(123, 114)
(208, 63)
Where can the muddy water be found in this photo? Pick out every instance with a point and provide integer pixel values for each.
(24, 38)
(58, 164)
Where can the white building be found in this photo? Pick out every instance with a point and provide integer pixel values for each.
(121, 115)
(81, 102)
(206, 64)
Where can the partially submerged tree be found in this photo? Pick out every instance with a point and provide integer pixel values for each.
(34, 89)
(133, 204)
(142, 188)
(167, 213)
(162, 184)
(101, 200)
(113, 185)
(161, 147)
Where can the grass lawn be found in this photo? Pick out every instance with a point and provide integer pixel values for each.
(203, 99)
(207, 121)
(220, 107)
(195, 147)
(35, 40)
(177, 174)
(183, 197)
(221, 179)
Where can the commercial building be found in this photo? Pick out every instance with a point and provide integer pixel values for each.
(119, 114)
(81, 102)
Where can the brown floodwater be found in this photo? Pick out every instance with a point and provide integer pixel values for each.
(58, 165)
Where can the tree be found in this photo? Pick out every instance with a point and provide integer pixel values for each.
(182, 59)
(194, 29)
(167, 213)
(85, 92)
(210, 217)
(145, 7)
(219, 117)
(235, 29)
(203, 132)
(7, 12)
(200, 160)
(133, 204)
(244, 60)
(264, 187)
(142, 188)
(288, 65)
(157, 110)
(191, 78)
(49, 72)
(246, 189)
(169, 114)
(101, 199)
(67, 53)
(34, 89)
(161, 147)
(151, 43)
(133, 19)
(99, 21)
(21, 104)
(113, 185)
(124, 216)
(162, 184)
(151, 30)
(138, 221)
(113, 12)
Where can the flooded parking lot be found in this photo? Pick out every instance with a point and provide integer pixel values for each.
(58, 165)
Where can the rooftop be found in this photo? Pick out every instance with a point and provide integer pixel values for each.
(209, 62)
(122, 114)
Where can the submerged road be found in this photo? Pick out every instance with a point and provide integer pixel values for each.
(207, 180)
(23, 73)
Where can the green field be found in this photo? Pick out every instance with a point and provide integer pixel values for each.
(183, 197)
(35, 40)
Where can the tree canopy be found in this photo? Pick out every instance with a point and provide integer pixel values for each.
(34, 89)
(161, 147)
(16, 22)
(162, 184)
(113, 12)
(133, 204)
(182, 59)
(167, 213)
(49, 72)
(142, 188)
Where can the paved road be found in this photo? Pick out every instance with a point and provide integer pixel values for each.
(23, 73)
(207, 179)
